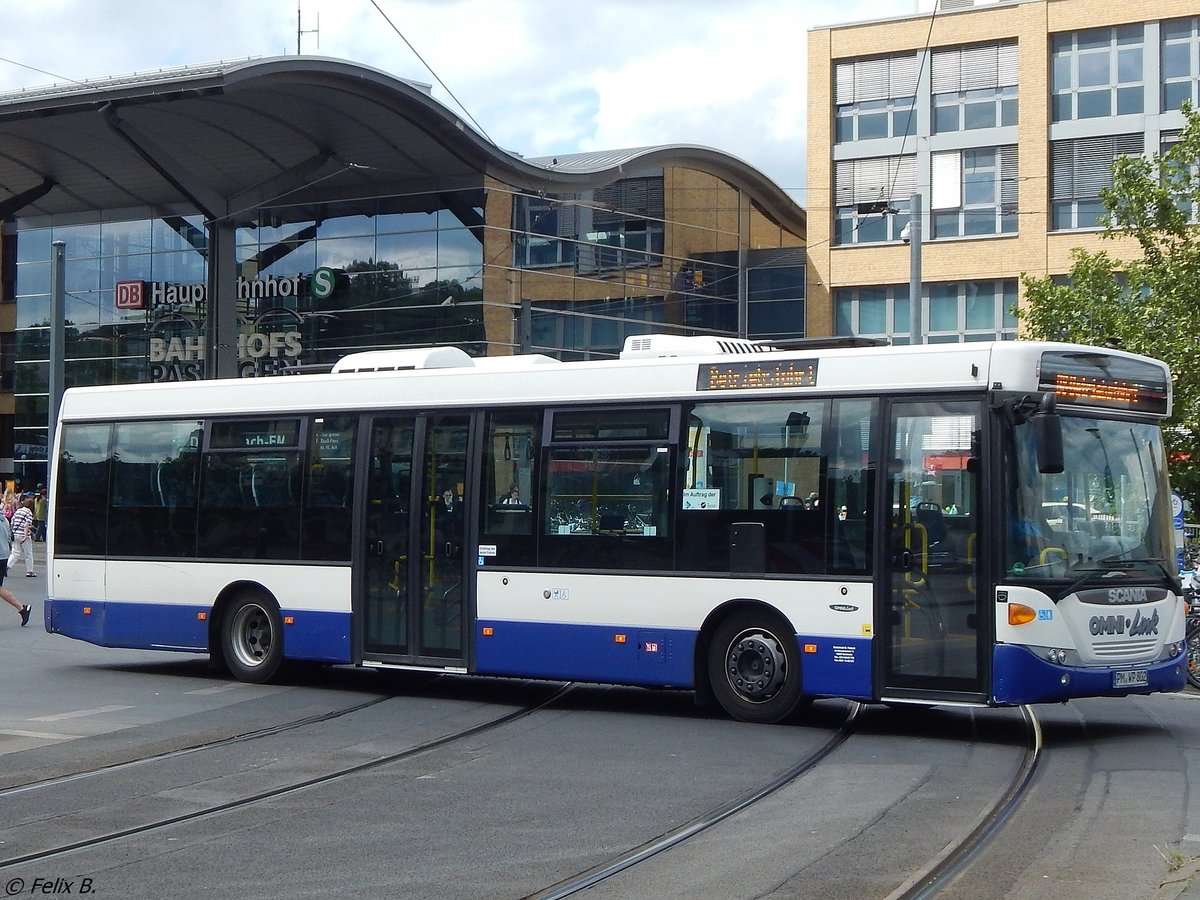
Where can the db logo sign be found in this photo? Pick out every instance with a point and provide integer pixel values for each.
(131, 295)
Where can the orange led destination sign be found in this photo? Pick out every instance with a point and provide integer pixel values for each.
(753, 375)
(1101, 380)
(1082, 388)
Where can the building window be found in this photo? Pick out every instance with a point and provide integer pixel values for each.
(626, 226)
(874, 98)
(955, 312)
(872, 198)
(1180, 61)
(1080, 169)
(1097, 73)
(1187, 172)
(775, 302)
(974, 87)
(544, 231)
(974, 192)
(872, 312)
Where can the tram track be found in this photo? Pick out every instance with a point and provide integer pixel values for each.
(956, 856)
(325, 778)
(256, 734)
(925, 883)
(701, 823)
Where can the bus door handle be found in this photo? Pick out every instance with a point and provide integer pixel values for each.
(376, 548)
(904, 560)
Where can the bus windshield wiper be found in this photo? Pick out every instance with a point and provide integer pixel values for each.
(1117, 560)
(1094, 573)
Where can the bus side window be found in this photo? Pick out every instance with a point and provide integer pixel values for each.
(756, 462)
(327, 522)
(509, 485)
(851, 485)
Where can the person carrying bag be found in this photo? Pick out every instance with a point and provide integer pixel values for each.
(22, 536)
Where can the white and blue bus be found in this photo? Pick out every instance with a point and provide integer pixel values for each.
(981, 524)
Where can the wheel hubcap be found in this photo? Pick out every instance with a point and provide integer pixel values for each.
(252, 635)
(756, 665)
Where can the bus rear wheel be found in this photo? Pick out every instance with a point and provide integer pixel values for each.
(754, 668)
(252, 639)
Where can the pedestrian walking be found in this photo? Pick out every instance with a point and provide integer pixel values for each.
(40, 502)
(22, 535)
(5, 594)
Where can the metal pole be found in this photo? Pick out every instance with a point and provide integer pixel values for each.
(58, 340)
(914, 272)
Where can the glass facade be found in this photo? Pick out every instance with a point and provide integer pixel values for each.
(573, 276)
(314, 284)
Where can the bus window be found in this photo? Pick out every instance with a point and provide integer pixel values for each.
(81, 491)
(509, 485)
(850, 483)
(760, 462)
(155, 470)
(249, 497)
(608, 484)
(329, 492)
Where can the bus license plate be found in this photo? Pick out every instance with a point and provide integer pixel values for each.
(1131, 678)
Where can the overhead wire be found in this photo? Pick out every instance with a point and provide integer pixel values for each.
(408, 44)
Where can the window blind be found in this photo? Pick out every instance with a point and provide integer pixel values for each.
(974, 68)
(881, 78)
(871, 180)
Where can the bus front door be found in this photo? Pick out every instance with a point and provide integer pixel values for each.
(930, 620)
(413, 583)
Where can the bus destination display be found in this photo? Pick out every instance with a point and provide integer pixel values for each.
(756, 374)
(1099, 380)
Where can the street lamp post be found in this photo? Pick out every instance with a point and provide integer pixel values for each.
(913, 228)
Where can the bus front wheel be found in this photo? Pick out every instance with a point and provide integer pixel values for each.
(754, 668)
(252, 639)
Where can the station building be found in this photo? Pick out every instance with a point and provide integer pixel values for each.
(1004, 118)
(268, 217)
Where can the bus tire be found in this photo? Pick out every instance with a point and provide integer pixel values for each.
(252, 638)
(754, 667)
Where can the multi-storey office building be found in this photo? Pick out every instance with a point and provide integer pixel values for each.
(262, 217)
(1005, 119)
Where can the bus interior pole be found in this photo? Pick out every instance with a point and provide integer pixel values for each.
(58, 339)
(914, 272)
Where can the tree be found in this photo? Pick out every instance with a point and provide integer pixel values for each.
(1148, 305)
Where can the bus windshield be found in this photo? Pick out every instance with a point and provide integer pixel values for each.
(1105, 512)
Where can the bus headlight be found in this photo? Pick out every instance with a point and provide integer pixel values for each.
(1057, 656)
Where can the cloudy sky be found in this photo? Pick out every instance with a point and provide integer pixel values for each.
(539, 76)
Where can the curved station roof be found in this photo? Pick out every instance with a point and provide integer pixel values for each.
(227, 138)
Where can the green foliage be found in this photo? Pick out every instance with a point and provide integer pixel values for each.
(1149, 305)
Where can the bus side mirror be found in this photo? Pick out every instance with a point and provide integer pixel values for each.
(1047, 441)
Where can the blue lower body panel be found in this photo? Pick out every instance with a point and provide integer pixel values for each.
(836, 667)
(1020, 676)
(652, 657)
(319, 636)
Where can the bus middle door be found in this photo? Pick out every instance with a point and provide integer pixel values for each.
(414, 576)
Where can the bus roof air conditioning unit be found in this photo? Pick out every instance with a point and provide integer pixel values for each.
(656, 346)
(404, 360)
